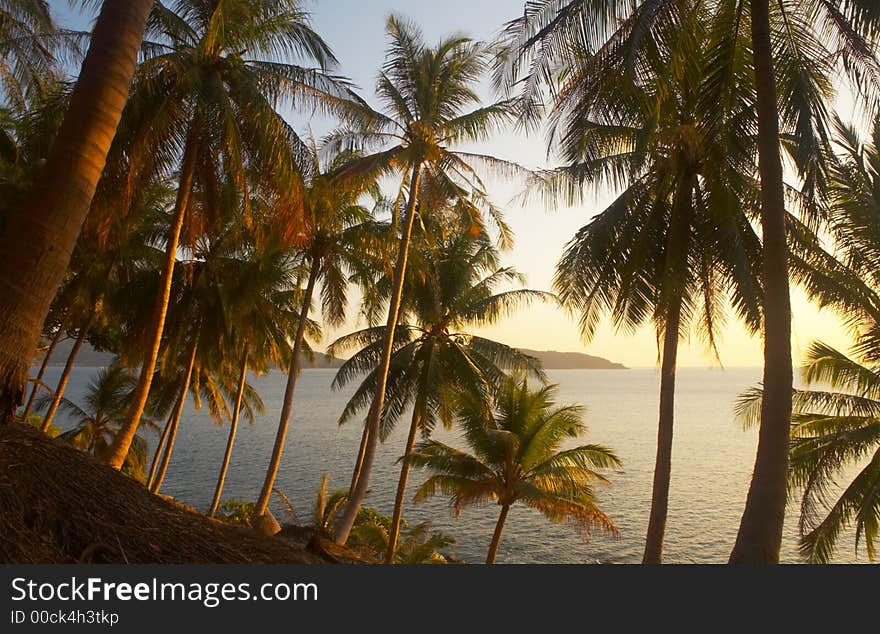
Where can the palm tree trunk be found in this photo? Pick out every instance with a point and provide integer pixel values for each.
(175, 419)
(663, 465)
(233, 427)
(119, 450)
(39, 378)
(39, 241)
(158, 453)
(346, 520)
(676, 279)
(359, 461)
(401, 487)
(496, 537)
(65, 374)
(760, 532)
(287, 407)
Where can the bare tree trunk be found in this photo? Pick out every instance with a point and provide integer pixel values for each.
(159, 449)
(346, 520)
(175, 418)
(401, 487)
(233, 427)
(677, 271)
(121, 444)
(663, 465)
(287, 407)
(496, 537)
(760, 533)
(38, 381)
(39, 240)
(359, 461)
(65, 374)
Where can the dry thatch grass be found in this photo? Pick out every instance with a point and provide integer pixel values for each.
(58, 505)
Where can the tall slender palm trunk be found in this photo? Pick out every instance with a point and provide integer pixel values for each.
(663, 464)
(760, 533)
(38, 380)
(65, 374)
(289, 391)
(356, 499)
(121, 444)
(156, 484)
(157, 455)
(233, 427)
(677, 272)
(359, 460)
(496, 536)
(401, 487)
(38, 242)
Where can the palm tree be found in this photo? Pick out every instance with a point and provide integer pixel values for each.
(426, 92)
(337, 240)
(676, 246)
(101, 414)
(810, 42)
(37, 245)
(518, 459)
(38, 379)
(205, 98)
(452, 287)
(835, 429)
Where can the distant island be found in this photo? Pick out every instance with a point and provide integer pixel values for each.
(552, 360)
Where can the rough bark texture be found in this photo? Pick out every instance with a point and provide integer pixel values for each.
(121, 444)
(760, 532)
(356, 499)
(39, 241)
(230, 442)
(290, 390)
(156, 484)
(38, 381)
(496, 536)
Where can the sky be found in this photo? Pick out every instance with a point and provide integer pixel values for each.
(355, 31)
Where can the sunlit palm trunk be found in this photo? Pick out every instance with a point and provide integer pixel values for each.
(38, 243)
(156, 484)
(121, 444)
(65, 375)
(287, 407)
(233, 427)
(159, 447)
(496, 536)
(401, 487)
(663, 465)
(359, 461)
(38, 381)
(760, 532)
(346, 520)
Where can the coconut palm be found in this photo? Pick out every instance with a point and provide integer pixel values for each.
(518, 459)
(338, 239)
(37, 245)
(263, 308)
(100, 415)
(205, 100)
(452, 286)
(835, 432)
(426, 92)
(811, 42)
(677, 246)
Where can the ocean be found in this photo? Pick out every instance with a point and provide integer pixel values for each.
(712, 463)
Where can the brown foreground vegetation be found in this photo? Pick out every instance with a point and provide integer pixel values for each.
(59, 505)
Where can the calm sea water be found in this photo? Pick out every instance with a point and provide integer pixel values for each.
(712, 463)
